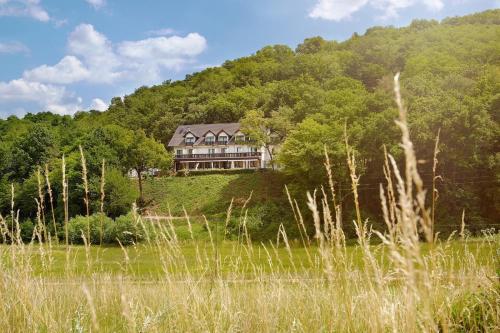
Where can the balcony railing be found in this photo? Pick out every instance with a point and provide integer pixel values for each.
(213, 142)
(217, 155)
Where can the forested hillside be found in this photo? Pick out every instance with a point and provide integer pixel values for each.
(450, 73)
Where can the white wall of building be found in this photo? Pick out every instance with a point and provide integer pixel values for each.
(218, 149)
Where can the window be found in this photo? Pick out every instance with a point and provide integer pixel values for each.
(239, 149)
(179, 152)
(223, 150)
(210, 139)
(190, 140)
(190, 152)
(211, 151)
(223, 138)
(239, 138)
(253, 149)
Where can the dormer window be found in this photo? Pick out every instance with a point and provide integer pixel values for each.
(209, 138)
(239, 138)
(223, 138)
(190, 139)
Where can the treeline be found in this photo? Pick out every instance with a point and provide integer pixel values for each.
(305, 98)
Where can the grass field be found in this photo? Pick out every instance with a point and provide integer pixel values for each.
(185, 277)
(226, 286)
(212, 194)
(144, 262)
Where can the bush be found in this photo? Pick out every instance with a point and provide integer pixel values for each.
(120, 193)
(127, 230)
(26, 230)
(27, 227)
(263, 222)
(79, 224)
(124, 229)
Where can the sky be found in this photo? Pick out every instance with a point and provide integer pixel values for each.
(69, 55)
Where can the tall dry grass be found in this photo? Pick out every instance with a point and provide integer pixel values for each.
(396, 286)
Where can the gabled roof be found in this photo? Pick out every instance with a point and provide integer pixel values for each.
(188, 132)
(199, 131)
(222, 130)
(209, 131)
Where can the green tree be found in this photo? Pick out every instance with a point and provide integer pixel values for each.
(30, 151)
(144, 153)
(120, 194)
(268, 132)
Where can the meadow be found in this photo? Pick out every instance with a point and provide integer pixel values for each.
(144, 262)
(188, 276)
(169, 285)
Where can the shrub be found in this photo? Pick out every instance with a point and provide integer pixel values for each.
(124, 228)
(79, 224)
(127, 230)
(120, 193)
(27, 227)
(263, 221)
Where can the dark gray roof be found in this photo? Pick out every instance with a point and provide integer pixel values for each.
(199, 130)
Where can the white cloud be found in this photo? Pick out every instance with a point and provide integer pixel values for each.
(140, 62)
(21, 89)
(162, 32)
(98, 104)
(97, 53)
(92, 58)
(337, 10)
(434, 4)
(13, 47)
(48, 97)
(164, 47)
(69, 70)
(96, 3)
(146, 58)
(28, 8)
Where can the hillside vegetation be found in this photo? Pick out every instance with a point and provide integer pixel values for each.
(450, 77)
(212, 194)
(260, 195)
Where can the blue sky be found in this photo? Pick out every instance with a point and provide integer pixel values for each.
(71, 55)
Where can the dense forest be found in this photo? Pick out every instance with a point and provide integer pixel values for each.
(450, 73)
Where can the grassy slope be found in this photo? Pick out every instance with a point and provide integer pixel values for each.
(145, 262)
(212, 194)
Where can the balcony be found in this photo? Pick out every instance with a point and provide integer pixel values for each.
(213, 142)
(217, 156)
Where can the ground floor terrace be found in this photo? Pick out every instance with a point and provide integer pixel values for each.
(218, 164)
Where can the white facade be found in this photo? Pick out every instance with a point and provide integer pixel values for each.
(216, 146)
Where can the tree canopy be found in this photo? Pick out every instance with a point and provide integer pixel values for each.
(303, 98)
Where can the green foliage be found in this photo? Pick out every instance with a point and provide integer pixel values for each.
(27, 227)
(475, 312)
(212, 194)
(124, 229)
(302, 100)
(263, 221)
(120, 193)
(97, 224)
(29, 151)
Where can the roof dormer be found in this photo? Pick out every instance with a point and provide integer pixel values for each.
(209, 137)
(222, 137)
(189, 138)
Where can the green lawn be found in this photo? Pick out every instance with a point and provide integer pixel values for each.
(212, 194)
(145, 262)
